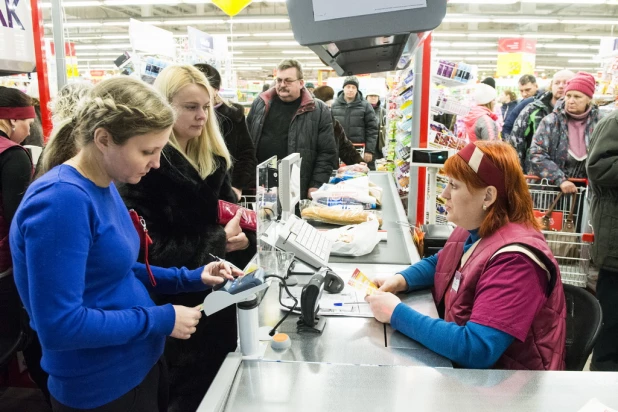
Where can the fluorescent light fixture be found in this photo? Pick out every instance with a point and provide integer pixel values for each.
(457, 52)
(563, 46)
(592, 37)
(564, 1)
(115, 37)
(575, 55)
(80, 54)
(488, 66)
(465, 20)
(440, 44)
(590, 22)
(297, 52)
(189, 22)
(548, 36)
(454, 57)
(496, 2)
(237, 52)
(123, 46)
(524, 20)
(587, 61)
(283, 43)
(485, 35)
(550, 67)
(242, 20)
(473, 44)
(249, 43)
(480, 59)
(443, 34)
(276, 34)
(90, 59)
(125, 23)
(70, 24)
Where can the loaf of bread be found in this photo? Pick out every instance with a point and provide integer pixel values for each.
(337, 216)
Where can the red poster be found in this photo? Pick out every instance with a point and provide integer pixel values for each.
(517, 45)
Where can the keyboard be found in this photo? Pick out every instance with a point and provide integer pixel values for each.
(305, 241)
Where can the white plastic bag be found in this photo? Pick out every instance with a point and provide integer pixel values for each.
(354, 240)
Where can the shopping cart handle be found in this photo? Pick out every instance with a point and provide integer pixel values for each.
(588, 237)
(532, 177)
(584, 181)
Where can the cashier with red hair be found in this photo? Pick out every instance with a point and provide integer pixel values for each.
(495, 283)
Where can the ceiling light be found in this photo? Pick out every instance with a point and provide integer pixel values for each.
(189, 22)
(457, 52)
(548, 36)
(249, 43)
(465, 20)
(550, 67)
(563, 46)
(590, 22)
(98, 54)
(443, 34)
(237, 52)
(276, 34)
(297, 52)
(124, 46)
(473, 44)
(484, 35)
(575, 55)
(479, 59)
(257, 21)
(524, 19)
(124, 23)
(70, 24)
(283, 43)
(587, 61)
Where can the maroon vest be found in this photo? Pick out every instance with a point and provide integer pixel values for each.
(5, 251)
(544, 347)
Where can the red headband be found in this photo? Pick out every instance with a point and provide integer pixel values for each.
(483, 167)
(17, 113)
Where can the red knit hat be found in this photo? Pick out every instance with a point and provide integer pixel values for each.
(582, 82)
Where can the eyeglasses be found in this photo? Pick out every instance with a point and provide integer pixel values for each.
(285, 81)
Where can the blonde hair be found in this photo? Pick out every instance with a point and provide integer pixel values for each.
(66, 102)
(123, 106)
(201, 151)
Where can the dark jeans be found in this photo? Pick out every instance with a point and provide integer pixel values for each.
(149, 396)
(605, 354)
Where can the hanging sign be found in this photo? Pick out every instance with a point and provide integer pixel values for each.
(199, 41)
(231, 7)
(150, 39)
(516, 56)
(16, 37)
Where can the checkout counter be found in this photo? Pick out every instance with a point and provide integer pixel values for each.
(359, 364)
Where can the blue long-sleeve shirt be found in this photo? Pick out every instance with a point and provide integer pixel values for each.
(472, 345)
(75, 250)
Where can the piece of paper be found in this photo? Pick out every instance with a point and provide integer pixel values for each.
(362, 283)
(594, 405)
(347, 303)
(339, 9)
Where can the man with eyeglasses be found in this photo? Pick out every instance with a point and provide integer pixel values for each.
(287, 119)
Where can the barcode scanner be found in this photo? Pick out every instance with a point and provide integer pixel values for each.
(332, 282)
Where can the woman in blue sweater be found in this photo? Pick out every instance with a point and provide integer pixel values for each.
(75, 249)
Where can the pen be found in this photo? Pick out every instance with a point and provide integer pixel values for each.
(350, 303)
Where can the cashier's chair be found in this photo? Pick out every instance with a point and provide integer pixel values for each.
(583, 324)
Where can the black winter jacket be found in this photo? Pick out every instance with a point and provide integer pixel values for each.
(311, 134)
(181, 212)
(238, 141)
(602, 169)
(358, 120)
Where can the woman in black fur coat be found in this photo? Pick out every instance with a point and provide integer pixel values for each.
(179, 202)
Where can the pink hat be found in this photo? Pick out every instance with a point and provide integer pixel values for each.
(582, 82)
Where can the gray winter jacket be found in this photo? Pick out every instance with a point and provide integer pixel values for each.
(311, 134)
(358, 120)
(602, 168)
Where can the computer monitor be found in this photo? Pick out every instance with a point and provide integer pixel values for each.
(424, 157)
(289, 184)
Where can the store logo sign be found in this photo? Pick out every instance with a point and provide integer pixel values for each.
(11, 12)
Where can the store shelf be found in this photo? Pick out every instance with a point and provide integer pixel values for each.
(446, 81)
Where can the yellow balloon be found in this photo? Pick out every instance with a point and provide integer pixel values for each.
(231, 7)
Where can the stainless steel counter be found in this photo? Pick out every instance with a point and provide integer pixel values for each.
(278, 386)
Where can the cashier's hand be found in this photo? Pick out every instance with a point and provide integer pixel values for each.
(382, 305)
(393, 284)
(186, 321)
(216, 273)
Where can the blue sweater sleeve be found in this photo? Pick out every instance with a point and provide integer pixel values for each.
(509, 122)
(471, 346)
(421, 274)
(57, 237)
(171, 280)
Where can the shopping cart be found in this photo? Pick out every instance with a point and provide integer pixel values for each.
(360, 148)
(569, 237)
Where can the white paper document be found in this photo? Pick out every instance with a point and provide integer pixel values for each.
(339, 9)
(347, 303)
